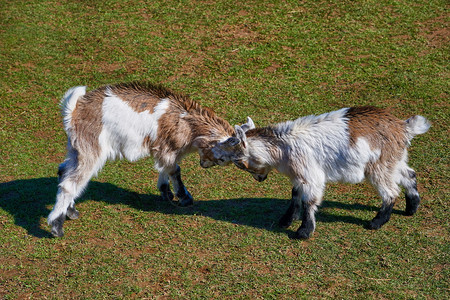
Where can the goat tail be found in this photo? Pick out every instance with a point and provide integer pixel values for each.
(416, 125)
(68, 103)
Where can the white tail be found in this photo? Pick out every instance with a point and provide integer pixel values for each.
(68, 103)
(417, 125)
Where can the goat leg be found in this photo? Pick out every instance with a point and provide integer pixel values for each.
(184, 197)
(293, 212)
(308, 221)
(382, 216)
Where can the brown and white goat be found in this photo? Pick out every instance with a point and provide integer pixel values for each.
(131, 121)
(346, 145)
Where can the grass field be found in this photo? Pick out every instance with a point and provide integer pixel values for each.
(271, 60)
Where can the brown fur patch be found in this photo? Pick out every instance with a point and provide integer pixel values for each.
(87, 123)
(141, 96)
(264, 132)
(269, 135)
(377, 125)
(139, 102)
(382, 130)
(208, 154)
(173, 132)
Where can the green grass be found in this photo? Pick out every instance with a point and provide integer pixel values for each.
(271, 60)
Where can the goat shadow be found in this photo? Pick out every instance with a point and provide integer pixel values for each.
(28, 201)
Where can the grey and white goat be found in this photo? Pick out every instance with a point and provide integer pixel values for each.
(131, 121)
(346, 145)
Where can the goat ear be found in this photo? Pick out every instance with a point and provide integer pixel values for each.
(240, 134)
(245, 163)
(249, 125)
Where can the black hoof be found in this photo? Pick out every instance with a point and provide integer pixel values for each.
(167, 196)
(410, 211)
(285, 221)
(302, 234)
(187, 200)
(166, 193)
(382, 217)
(412, 204)
(375, 224)
(57, 226)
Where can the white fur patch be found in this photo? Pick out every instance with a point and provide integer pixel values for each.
(349, 167)
(333, 120)
(124, 129)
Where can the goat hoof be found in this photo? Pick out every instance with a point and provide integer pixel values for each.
(187, 200)
(374, 224)
(409, 211)
(57, 226)
(57, 232)
(166, 193)
(285, 222)
(167, 196)
(170, 196)
(302, 234)
(412, 204)
(73, 213)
